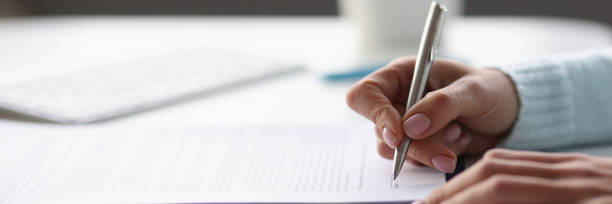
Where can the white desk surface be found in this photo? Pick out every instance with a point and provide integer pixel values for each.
(320, 43)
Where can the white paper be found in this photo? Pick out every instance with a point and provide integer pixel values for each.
(310, 163)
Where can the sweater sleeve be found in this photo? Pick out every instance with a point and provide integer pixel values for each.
(564, 101)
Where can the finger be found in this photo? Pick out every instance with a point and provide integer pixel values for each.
(440, 150)
(536, 156)
(600, 163)
(460, 145)
(373, 96)
(512, 189)
(386, 152)
(389, 83)
(369, 100)
(471, 100)
(504, 188)
(440, 107)
(603, 162)
(383, 149)
(415, 162)
(587, 186)
(490, 166)
(479, 144)
(546, 165)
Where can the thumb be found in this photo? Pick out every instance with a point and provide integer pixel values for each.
(438, 108)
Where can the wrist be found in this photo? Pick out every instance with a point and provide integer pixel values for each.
(500, 93)
(511, 100)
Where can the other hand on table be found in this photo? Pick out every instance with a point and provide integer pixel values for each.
(505, 176)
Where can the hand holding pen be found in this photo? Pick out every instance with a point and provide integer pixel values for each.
(465, 110)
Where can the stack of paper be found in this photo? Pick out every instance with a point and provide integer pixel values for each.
(314, 163)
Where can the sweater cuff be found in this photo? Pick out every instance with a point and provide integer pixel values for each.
(545, 118)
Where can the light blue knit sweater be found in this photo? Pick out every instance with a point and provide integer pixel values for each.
(565, 101)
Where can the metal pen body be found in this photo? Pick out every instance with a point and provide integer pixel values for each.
(425, 57)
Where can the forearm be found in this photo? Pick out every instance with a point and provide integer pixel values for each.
(565, 101)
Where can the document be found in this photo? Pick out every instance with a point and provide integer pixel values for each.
(301, 163)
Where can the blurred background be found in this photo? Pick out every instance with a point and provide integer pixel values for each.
(588, 9)
(181, 65)
(43, 39)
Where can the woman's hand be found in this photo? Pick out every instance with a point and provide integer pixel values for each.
(465, 110)
(505, 176)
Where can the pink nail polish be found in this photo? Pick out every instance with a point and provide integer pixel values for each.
(452, 133)
(443, 163)
(416, 125)
(465, 140)
(388, 137)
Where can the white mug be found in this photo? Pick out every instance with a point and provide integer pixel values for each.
(391, 28)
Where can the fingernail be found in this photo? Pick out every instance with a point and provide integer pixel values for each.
(452, 133)
(388, 137)
(465, 140)
(443, 163)
(418, 202)
(416, 125)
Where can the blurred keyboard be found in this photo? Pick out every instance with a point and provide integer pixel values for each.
(105, 92)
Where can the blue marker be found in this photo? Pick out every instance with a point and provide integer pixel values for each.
(354, 73)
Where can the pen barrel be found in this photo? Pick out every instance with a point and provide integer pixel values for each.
(427, 53)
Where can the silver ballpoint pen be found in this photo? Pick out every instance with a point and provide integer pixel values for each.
(427, 53)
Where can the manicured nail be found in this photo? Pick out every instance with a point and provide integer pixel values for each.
(418, 202)
(416, 125)
(443, 163)
(388, 137)
(452, 133)
(465, 140)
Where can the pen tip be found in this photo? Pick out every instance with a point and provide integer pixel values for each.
(394, 181)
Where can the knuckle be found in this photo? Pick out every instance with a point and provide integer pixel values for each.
(352, 95)
(487, 167)
(377, 113)
(475, 86)
(578, 156)
(499, 183)
(493, 153)
(441, 99)
(437, 196)
(370, 107)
